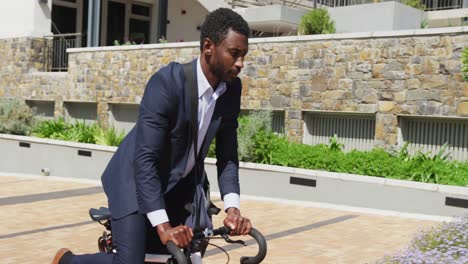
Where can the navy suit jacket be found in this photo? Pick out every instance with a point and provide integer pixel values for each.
(153, 156)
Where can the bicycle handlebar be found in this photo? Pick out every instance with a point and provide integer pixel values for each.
(259, 238)
(262, 248)
(176, 252)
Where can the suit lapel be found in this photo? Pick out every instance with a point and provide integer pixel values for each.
(188, 105)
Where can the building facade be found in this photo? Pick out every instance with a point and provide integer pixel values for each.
(369, 89)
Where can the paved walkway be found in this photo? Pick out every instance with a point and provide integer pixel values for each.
(41, 215)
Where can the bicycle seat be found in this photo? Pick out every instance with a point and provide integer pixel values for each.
(102, 213)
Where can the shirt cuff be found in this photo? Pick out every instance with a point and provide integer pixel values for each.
(157, 217)
(231, 200)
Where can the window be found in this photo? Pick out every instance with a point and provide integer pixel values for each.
(127, 21)
(66, 26)
(429, 134)
(139, 31)
(141, 10)
(139, 23)
(115, 23)
(354, 130)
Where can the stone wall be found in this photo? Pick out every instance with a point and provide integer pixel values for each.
(413, 75)
(22, 62)
(116, 76)
(404, 72)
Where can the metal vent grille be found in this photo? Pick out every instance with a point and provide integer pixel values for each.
(124, 116)
(277, 119)
(429, 135)
(355, 131)
(277, 124)
(43, 109)
(79, 111)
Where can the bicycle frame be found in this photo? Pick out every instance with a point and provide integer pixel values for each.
(178, 256)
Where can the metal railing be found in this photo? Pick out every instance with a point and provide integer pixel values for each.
(433, 5)
(303, 4)
(55, 47)
(430, 5)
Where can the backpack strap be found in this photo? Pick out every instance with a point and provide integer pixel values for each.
(192, 92)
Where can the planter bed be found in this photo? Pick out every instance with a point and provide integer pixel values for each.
(30, 155)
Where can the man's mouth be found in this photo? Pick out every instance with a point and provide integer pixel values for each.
(235, 73)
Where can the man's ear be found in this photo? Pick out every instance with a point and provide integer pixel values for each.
(208, 47)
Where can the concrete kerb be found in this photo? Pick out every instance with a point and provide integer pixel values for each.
(51, 178)
(217, 195)
(355, 192)
(284, 183)
(353, 177)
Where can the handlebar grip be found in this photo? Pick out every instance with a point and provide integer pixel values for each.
(176, 252)
(262, 248)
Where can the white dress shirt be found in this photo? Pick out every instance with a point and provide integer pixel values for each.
(207, 97)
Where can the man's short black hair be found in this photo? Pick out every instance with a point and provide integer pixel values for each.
(218, 23)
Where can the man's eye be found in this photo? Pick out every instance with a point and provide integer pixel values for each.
(235, 54)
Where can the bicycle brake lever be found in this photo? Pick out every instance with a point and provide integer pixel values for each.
(230, 241)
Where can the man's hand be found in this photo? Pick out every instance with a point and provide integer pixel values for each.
(180, 235)
(239, 225)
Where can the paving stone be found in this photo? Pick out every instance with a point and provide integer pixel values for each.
(34, 231)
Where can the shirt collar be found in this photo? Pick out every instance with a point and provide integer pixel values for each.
(204, 85)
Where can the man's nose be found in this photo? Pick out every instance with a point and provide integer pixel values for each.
(239, 62)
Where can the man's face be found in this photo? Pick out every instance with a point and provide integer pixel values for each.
(228, 56)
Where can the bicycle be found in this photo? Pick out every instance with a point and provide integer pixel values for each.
(178, 256)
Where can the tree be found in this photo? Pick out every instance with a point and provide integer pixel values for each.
(317, 21)
(415, 3)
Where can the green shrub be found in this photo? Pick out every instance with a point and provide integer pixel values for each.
(85, 133)
(212, 150)
(334, 144)
(464, 60)
(424, 23)
(415, 3)
(109, 136)
(80, 131)
(126, 43)
(59, 129)
(376, 162)
(16, 117)
(50, 128)
(266, 146)
(317, 21)
(250, 127)
(276, 150)
(257, 143)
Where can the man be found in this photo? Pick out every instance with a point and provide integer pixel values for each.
(150, 178)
